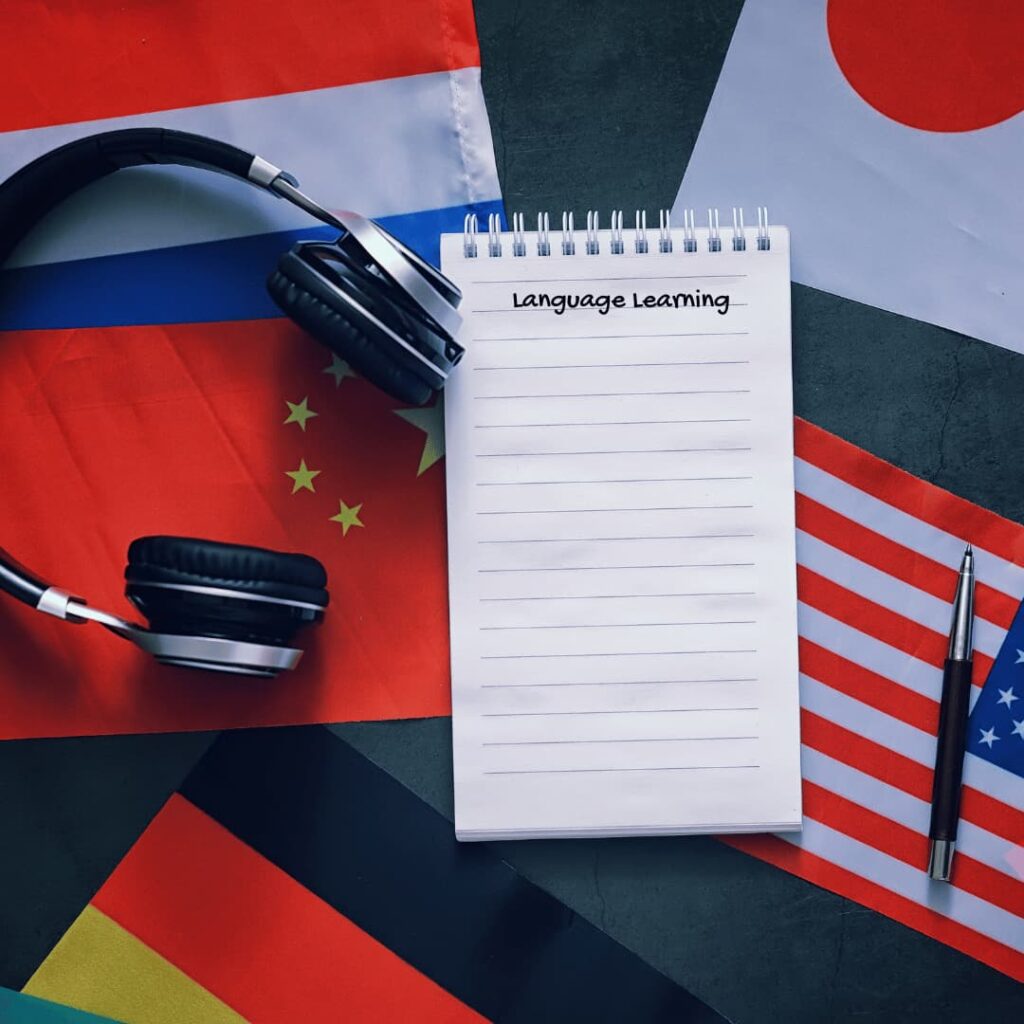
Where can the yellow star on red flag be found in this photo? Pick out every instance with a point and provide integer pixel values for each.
(431, 421)
(302, 478)
(299, 412)
(339, 370)
(347, 516)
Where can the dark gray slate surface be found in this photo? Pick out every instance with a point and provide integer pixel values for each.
(70, 809)
(597, 104)
(757, 944)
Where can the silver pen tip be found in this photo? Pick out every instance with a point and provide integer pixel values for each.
(967, 563)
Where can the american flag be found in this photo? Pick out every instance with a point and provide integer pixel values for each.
(877, 552)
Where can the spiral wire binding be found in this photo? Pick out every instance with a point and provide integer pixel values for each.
(518, 235)
(469, 228)
(568, 237)
(714, 235)
(616, 241)
(739, 239)
(764, 242)
(543, 235)
(616, 246)
(640, 232)
(689, 231)
(593, 244)
(664, 231)
(493, 235)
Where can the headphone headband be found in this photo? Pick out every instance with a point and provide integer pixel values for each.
(245, 624)
(38, 187)
(28, 195)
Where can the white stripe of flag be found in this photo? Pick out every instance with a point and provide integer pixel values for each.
(911, 882)
(397, 145)
(866, 790)
(872, 654)
(905, 529)
(878, 727)
(889, 591)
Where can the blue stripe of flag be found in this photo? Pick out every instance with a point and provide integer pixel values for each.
(208, 281)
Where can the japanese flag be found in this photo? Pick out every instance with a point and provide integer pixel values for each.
(889, 138)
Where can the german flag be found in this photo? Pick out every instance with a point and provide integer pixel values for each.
(291, 879)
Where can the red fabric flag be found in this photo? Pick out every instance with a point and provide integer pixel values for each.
(248, 432)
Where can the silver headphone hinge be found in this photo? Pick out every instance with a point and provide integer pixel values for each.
(58, 603)
(263, 172)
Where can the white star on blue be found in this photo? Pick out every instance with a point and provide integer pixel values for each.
(998, 707)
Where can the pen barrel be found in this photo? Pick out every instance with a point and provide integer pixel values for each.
(949, 757)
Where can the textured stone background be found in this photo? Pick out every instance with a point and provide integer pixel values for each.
(597, 104)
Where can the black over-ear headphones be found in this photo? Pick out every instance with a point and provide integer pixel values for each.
(367, 297)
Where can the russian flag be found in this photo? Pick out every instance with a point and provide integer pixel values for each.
(374, 107)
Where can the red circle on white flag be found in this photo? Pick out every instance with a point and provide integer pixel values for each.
(938, 65)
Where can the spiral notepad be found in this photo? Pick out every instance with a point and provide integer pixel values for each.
(621, 530)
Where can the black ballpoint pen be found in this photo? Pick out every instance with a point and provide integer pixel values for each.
(956, 702)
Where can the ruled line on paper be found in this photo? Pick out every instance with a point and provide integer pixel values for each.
(628, 277)
(632, 480)
(610, 451)
(607, 423)
(630, 625)
(654, 508)
(610, 654)
(575, 771)
(613, 711)
(586, 568)
(606, 540)
(620, 394)
(629, 739)
(615, 682)
(617, 337)
(598, 597)
(617, 366)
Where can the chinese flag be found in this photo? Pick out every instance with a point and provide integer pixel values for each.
(241, 431)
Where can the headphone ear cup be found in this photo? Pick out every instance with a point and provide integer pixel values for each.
(187, 586)
(338, 328)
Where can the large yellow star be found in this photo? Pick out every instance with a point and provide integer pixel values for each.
(302, 478)
(339, 370)
(347, 517)
(299, 412)
(431, 421)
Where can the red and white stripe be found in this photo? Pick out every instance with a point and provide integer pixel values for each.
(877, 551)
(375, 107)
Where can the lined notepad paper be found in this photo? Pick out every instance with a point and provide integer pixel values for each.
(621, 543)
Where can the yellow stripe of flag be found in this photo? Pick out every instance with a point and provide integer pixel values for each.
(100, 967)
